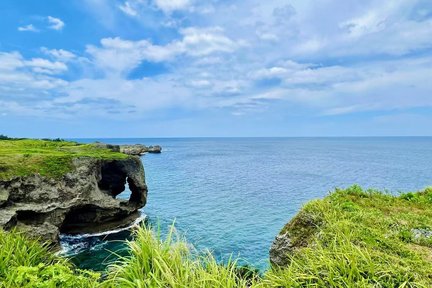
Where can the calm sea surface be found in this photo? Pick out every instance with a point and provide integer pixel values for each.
(233, 195)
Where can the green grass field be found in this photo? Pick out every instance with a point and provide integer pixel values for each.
(361, 239)
(48, 158)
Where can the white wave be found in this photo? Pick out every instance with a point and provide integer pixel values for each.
(67, 241)
(135, 224)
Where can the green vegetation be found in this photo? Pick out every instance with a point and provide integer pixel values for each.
(51, 158)
(362, 239)
(4, 137)
(27, 263)
(171, 263)
(358, 239)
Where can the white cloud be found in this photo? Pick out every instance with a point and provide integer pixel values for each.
(29, 28)
(169, 6)
(59, 54)
(202, 42)
(15, 62)
(56, 23)
(365, 24)
(45, 66)
(283, 70)
(27, 86)
(128, 9)
(140, 8)
(120, 56)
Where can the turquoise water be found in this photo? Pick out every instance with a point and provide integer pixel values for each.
(233, 195)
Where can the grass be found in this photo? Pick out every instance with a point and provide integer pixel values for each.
(172, 263)
(26, 263)
(362, 239)
(358, 238)
(24, 157)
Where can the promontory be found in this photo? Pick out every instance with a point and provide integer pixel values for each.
(52, 187)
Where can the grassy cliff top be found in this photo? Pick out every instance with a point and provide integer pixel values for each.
(48, 158)
(360, 238)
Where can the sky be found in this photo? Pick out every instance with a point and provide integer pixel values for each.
(189, 68)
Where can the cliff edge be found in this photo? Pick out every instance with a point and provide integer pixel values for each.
(47, 188)
(357, 238)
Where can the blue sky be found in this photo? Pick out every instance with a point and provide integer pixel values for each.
(170, 68)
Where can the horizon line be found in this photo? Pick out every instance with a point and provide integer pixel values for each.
(233, 137)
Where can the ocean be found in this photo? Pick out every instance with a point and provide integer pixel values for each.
(232, 195)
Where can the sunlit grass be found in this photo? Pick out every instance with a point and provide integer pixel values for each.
(48, 158)
(27, 263)
(155, 262)
(364, 240)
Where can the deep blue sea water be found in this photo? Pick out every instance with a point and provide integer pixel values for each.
(233, 195)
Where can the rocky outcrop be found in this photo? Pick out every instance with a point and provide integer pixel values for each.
(139, 149)
(82, 201)
(154, 149)
(294, 236)
(136, 149)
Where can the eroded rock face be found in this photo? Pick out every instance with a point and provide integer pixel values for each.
(294, 236)
(82, 201)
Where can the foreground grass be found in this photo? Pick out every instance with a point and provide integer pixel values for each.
(362, 239)
(27, 263)
(358, 239)
(170, 263)
(23, 157)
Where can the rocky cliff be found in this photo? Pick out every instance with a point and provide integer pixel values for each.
(82, 200)
(295, 235)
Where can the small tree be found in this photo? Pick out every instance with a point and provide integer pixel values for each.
(4, 137)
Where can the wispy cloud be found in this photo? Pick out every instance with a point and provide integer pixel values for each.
(141, 8)
(59, 54)
(169, 6)
(55, 23)
(127, 7)
(28, 28)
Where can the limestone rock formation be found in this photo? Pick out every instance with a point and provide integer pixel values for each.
(82, 201)
(295, 235)
(154, 149)
(138, 149)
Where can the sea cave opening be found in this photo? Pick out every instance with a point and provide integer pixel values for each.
(116, 183)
